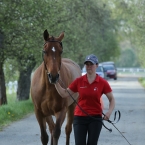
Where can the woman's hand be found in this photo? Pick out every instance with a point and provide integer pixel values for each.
(107, 116)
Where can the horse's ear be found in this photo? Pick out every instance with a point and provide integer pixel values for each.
(61, 36)
(46, 35)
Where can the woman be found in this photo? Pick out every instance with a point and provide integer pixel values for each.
(90, 88)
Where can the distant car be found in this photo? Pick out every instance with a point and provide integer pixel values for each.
(108, 63)
(110, 71)
(99, 71)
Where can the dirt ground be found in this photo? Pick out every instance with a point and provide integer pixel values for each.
(130, 100)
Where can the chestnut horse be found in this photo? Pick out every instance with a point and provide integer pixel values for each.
(47, 101)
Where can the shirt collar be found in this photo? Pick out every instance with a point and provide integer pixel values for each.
(85, 78)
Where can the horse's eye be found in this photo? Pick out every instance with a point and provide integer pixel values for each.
(44, 51)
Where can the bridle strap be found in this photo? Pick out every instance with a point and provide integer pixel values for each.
(54, 41)
(44, 60)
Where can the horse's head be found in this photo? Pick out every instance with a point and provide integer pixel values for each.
(52, 55)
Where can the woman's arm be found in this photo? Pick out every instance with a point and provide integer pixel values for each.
(64, 93)
(111, 105)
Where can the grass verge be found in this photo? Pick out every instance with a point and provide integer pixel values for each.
(142, 81)
(14, 110)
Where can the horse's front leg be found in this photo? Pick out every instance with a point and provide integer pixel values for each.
(51, 126)
(60, 116)
(42, 123)
(70, 117)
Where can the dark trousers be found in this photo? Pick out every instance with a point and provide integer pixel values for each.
(87, 129)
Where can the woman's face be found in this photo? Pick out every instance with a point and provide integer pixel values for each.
(90, 67)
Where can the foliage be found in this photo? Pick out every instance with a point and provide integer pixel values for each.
(11, 70)
(127, 58)
(88, 24)
(142, 81)
(131, 16)
(139, 28)
(90, 31)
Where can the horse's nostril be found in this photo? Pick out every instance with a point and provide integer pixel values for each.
(49, 76)
(53, 79)
(58, 76)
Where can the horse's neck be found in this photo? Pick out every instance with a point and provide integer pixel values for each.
(65, 75)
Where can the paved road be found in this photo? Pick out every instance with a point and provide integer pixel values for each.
(130, 100)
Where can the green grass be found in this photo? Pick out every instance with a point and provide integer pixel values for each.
(142, 81)
(14, 110)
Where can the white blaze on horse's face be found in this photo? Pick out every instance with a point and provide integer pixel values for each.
(53, 49)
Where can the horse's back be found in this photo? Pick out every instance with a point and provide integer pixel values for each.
(72, 67)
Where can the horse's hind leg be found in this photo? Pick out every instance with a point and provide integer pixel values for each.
(70, 116)
(42, 123)
(51, 126)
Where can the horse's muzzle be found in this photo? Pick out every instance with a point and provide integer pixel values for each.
(53, 79)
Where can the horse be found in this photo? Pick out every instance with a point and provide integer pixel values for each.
(47, 101)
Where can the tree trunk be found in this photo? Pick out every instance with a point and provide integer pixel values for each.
(3, 97)
(24, 82)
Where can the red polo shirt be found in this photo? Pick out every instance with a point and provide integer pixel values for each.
(89, 94)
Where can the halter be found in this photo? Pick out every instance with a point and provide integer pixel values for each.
(44, 52)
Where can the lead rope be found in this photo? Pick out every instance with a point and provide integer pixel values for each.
(113, 122)
(100, 120)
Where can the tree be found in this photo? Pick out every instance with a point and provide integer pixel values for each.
(16, 27)
(92, 30)
(131, 16)
(89, 29)
(128, 58)
(3, 97)
(138, 28)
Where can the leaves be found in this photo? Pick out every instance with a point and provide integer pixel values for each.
(88, 28)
